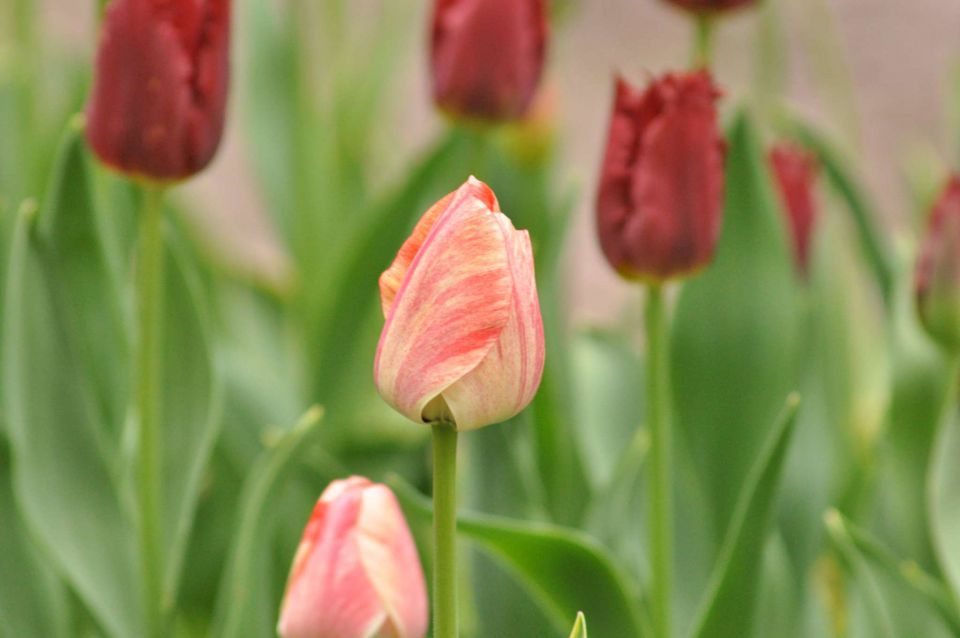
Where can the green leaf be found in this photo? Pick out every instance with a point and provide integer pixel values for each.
(730, 600)
(944, 498)
(579, 627)
(735, 333)
(243, 605)
(65, 382)
(564, 570)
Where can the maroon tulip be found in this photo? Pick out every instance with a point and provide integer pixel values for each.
(660, 198)
(160, 91)
(711, 6)
(487, 56)
(795, 173)
(938, 269)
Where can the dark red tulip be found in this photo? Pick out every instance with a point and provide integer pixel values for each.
(660, 198)
(160, 89)
(938, 269)
(711, 6)
(795, 173)
(487, 56)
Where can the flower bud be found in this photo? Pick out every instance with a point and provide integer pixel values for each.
(795, 174)
(356, 573)
(711, 6)
(487, 56)
(660, 196)
(463, 339)
(938, 269)
(160, 87)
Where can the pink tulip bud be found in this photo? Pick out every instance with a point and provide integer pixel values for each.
(356, 573)
(795, 173)
(711, 6)
(660, 198)
(463, 339)
(487, 56)
(160, 87)
(938, 269)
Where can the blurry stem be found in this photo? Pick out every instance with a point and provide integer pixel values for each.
(660, 497)
(703, 41)
(444, 531)
(149, 313)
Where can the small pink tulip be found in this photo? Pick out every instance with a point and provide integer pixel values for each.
(463, 339)
(356, 573)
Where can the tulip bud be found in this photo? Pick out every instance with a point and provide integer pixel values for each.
(795, 173)
(463, 339)
(160, 88)
(711, 6)
(487, 56)
(938, 269)
(660, 197)
(356, 573)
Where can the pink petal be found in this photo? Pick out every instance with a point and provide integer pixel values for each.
(508, 377)
(450, 310)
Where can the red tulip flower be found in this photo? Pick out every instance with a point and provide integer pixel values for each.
(937, 280)
(795, 173)
(660, 197)
(711, 6)
(160, 89)
(357, 573)
(463, 339)
(487, 56)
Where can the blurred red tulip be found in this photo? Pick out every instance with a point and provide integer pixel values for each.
(795, 173)
(357, 573)
(709, 6)
(660, 197)
(487, 56)
(463, 340)
(938, 269)
(160, 88)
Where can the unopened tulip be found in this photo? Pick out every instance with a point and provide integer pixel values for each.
(938, 269)
(463, 339)
(356, 573)
(795, 173)
(487, 56)
(660, 196)
(711, 6)
(160, 88)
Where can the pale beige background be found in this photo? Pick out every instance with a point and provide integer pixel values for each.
(899, 53)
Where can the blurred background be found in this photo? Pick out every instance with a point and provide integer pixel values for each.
(875, 73)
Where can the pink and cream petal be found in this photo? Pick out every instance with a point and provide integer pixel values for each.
(450, 310)
(508, 377)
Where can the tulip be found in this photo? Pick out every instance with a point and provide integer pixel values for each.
(937, 281)
(711, 6)
(356, 573)
(487, 56)
(660, 196)
(795, 172)
(463, 338)
(160, 89)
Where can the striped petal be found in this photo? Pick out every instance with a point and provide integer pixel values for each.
(454, 302)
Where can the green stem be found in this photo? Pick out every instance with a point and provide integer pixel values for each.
(660, 497)
(703, 41)
(444, 531)
(149, 313)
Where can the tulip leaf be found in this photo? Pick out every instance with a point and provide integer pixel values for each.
(243, 607)
(945, 498)
(579, 627)
(735, 333)
(563, 569)
(731, 597)
(64, 375)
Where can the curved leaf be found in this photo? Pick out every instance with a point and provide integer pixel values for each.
(944, 502)
(579, 627)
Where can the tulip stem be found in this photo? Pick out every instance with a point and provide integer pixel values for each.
(703, 42)
(660, 497)
(149, 313)
(444, 531)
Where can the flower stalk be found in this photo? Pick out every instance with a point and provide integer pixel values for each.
(703, 41)
(445, 623)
